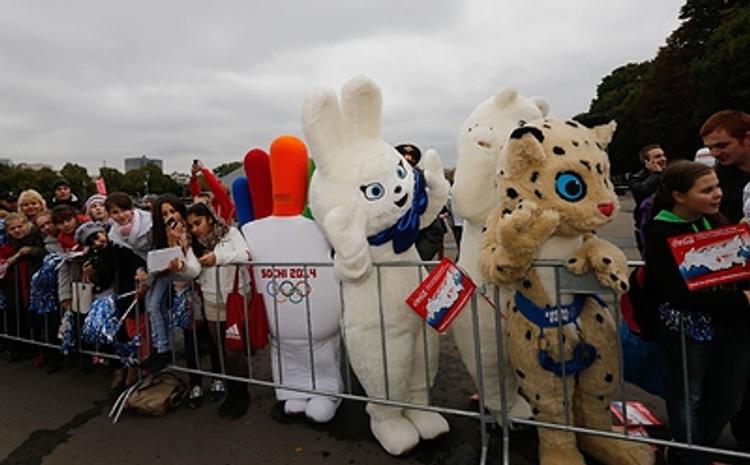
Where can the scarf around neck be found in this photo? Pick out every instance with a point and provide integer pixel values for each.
(218, 232)
(404, 233)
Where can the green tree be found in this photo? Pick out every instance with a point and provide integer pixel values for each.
(17, 179)
(616, 99)
(114, 179)
(149, 179)
(702, 68)
(722, 77)
(80, 181)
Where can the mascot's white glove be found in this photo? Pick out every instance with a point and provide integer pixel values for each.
(347, 231)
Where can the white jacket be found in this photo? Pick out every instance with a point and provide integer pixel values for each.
(232, 248)
(139, 239)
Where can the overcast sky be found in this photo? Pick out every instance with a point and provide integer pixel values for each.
(100, 80)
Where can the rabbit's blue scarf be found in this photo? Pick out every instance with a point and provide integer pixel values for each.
(404, 232)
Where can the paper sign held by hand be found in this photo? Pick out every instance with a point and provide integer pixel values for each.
(443, 294)
(713, 257)
(158, 260)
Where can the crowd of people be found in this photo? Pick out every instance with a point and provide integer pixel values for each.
(106, 240)
(104, 244)
(703, 334)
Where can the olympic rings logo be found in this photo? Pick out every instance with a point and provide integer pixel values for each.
(287, 290)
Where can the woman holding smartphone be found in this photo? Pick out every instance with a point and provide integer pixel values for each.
(170, 230)
(215, 247)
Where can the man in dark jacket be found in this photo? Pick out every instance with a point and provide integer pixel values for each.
(430, 240)
(62, 195)
(644, 183)
(727, 135)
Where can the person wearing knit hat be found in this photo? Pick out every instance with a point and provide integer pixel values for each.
(86, 233)
(95, 209)
(430, 238)
(410, 152)
(63, 195)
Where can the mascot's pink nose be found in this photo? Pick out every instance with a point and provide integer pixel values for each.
(606, 208)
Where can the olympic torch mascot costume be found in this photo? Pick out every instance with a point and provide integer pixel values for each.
(302, 302)
(371, 203)
(480, 141)
(554, 188)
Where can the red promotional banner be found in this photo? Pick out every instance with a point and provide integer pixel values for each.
(101, 186)
(714, 257)
(443, 294)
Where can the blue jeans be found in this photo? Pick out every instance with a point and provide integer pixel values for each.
(683, 412)
(717, 373)
(156, 308)
(727, 386)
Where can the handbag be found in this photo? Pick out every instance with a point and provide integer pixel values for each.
(83, 296)
(256, 318)
(153, 395)
(235, 320)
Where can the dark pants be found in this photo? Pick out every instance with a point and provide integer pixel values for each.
(684, 411)
(193, 339)
(717, 373)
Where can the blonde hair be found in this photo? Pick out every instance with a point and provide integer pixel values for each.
(15, 216)
(30, 194)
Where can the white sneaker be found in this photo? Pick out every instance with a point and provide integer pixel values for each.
(217, 390)
(195, 397)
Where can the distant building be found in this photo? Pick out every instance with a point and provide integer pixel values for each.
(139, 162)
(6, 162)
(229, 178)
(180, 178)
(34, 166)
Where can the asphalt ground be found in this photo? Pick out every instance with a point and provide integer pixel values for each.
(62, 419)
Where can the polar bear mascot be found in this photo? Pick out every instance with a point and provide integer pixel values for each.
(480, 140)
(370, 204)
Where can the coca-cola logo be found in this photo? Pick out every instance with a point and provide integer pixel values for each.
(683, 241)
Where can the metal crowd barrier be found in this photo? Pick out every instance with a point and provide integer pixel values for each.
(15, 330)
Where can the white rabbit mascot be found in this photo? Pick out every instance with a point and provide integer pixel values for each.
(480, 140)
(370, 204)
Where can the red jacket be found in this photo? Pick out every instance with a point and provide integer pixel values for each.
(221, 202)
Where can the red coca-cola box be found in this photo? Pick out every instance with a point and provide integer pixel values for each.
(713, 257)
(442, 294)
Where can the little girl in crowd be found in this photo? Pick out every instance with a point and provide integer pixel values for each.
(714, 320)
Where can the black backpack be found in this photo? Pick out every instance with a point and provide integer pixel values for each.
(637, 308)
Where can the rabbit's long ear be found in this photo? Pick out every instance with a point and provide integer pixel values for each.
(362, 105)
(324, 128)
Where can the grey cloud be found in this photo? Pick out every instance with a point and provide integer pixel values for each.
(93, 81)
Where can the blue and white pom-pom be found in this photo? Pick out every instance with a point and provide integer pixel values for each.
(181, 316)
(101, 323)
(43, 298)
(3, 233)
(65, 333)
(128, 351)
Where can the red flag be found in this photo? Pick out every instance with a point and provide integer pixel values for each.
(101, 186)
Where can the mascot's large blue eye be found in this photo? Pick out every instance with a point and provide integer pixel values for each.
(401, 171)
(569, 186)
(373, 191)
